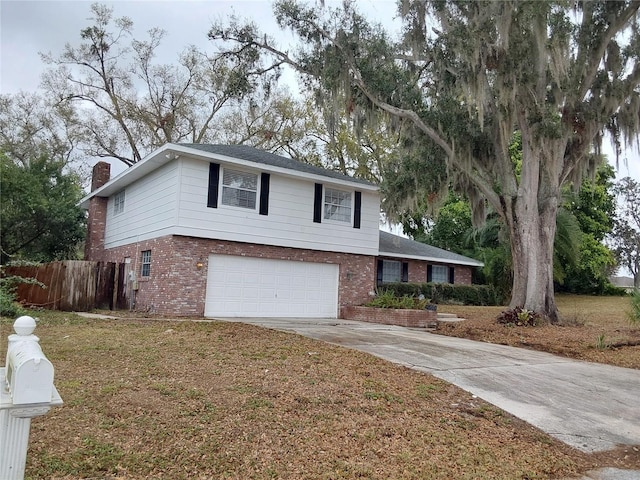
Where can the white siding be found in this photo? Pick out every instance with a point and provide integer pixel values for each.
(290, 220)
(149, 208)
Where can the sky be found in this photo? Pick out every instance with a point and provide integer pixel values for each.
(28, 28)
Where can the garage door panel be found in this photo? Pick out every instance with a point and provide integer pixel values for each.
(248, 286)
(298, 296)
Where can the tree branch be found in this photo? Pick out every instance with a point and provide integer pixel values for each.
(593, 58)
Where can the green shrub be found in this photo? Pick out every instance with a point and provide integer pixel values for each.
(8, 284)
(601, 342)
(519, 316)
(443, 293)
(8, 305)
(611, 290)
(388, 299)
(634, 313)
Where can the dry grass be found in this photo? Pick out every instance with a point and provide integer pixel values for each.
(597, 329)
(182, 400)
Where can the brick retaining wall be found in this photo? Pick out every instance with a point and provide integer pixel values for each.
(390, 316)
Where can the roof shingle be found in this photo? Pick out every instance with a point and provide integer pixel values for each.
(251, 154)
(396, 246)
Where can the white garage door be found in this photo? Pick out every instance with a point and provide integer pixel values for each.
(260, 287)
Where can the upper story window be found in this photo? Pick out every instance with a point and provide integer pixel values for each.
(337, 205)
(239, 189)
(118, 203)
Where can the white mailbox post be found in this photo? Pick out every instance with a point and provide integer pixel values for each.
(26, 391)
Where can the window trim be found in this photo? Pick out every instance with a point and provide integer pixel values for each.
(256, 191)
(446, 273)
(119, 200)
(403, 271)
(145, 263)
(397, 266)
(327, 190)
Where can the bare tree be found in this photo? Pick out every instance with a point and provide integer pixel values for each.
(30, 126)
(127, 105)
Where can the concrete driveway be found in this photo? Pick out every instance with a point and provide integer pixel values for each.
(589, 406)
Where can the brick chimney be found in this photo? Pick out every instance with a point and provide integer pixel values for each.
(94, 244)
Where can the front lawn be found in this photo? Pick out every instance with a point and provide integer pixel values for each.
(184, 400)
(155, 398)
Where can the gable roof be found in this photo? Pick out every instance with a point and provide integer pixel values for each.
(399, 247)
(251, 154)
(233, 154)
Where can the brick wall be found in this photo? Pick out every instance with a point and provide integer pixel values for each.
(94, 244)
(177, 286)
(418, 272)
(390, 316)
(462, 275)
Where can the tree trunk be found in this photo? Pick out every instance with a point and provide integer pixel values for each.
(532, 227)
(532, 256)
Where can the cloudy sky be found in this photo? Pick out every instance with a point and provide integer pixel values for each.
(29, 27)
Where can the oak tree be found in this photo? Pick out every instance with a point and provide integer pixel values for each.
(40, 218)
(466, 75)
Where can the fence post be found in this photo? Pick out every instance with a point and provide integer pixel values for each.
(26, 391)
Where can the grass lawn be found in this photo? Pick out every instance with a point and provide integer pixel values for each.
(187, 400)
(598, 330)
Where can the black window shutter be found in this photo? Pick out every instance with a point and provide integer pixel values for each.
(429, 273)
(379, 272)
(451, 274)
(264, 194)
(317, 204)
(214, 177)
(405, 271)
(357, 209)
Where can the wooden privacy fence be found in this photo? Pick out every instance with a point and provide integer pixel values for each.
(72, 285)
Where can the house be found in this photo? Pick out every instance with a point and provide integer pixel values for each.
(622, 282)
(229, 230)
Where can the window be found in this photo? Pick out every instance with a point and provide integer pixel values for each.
(337, 205)
(391, 271)
(118, 203)
(145, 269)
(239, 189)
(439, 274)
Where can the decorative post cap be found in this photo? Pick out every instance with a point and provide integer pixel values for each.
(24, 326)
